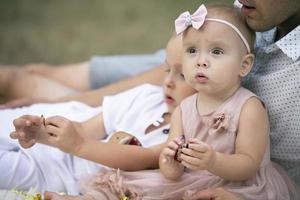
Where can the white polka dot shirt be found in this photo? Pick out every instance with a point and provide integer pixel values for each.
(276, 79)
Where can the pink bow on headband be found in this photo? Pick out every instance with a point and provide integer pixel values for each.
(195, 20)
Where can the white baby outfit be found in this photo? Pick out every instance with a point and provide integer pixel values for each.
(46, 168)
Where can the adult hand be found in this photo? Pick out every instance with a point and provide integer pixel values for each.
(198, 155)
(64, 134)
(28, 130)
(214, 194)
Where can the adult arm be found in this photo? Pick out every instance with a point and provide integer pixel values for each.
(92, 97)
(95, 97)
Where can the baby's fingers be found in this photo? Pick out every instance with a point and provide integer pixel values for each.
(23, 141)
(198, 145)
(190, 162)
(190, 166)
(33, 120)
(20, 135)
(26, 121)
(27, 144)
(173, 145)
(14, 135)
(19, 123)
(169, 152)
(180, 140)
(53, 131)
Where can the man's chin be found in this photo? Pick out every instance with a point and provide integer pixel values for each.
(257, 25)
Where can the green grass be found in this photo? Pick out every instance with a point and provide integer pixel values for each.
(57, 31)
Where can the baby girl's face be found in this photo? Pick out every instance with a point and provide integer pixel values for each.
(212, 58)
(175, 87)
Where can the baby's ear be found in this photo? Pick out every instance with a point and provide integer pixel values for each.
(246, 64)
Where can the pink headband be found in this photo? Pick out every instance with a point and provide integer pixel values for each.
(196, 20)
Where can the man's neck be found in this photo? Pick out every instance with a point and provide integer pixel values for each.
(287, 26)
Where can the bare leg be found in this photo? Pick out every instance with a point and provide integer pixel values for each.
(74, 75)
(16, 83)
(54, 196)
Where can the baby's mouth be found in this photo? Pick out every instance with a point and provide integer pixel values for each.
(169, 99)
(200, 77)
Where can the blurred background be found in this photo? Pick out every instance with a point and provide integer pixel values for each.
(69, 31)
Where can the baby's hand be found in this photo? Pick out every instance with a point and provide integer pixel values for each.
(28, 130)
(170, 152)
(197, 155)
(65, 134)
(168, 163)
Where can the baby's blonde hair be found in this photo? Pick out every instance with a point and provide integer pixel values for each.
(235, 17)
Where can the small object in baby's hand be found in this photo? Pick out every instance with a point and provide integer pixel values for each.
(44, 123)
(124, 138)
(44, 120)
(178, 151)
(185, 145)
(177, 154)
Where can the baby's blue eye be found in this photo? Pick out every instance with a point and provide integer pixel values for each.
(217, 51)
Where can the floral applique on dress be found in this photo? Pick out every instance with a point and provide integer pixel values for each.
(219, 123)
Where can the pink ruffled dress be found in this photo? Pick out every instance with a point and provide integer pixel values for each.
(219, 130)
